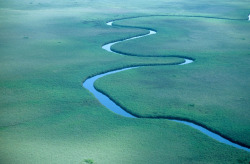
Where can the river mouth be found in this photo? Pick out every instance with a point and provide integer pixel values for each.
(111, 105)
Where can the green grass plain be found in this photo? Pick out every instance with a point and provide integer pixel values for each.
(47, 48)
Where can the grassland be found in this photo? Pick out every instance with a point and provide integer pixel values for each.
(47, 48)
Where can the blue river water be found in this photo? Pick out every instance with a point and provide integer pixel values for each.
(111, 105)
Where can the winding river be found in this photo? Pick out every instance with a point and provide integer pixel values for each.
(111, 105)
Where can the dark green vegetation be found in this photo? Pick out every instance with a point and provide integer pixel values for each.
(47, 48)
(88, 161)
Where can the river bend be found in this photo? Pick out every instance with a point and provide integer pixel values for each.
(111, 105)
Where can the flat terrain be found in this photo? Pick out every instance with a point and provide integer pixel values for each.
(48, 48)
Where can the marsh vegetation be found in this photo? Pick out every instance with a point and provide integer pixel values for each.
(48, 48)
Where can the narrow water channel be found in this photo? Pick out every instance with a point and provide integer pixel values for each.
(111, 105)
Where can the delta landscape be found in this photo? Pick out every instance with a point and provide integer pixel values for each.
(124, 82)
